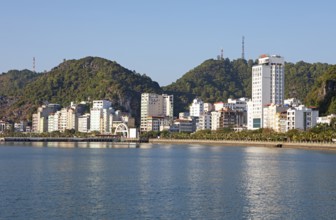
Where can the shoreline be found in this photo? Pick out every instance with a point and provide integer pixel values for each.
(271, 144)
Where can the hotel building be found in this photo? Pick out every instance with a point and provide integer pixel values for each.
(267, 87)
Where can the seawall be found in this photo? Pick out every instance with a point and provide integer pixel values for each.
(303, 145)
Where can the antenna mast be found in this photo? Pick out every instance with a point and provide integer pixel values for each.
(34, 65)
(243, 48)
(222, 54)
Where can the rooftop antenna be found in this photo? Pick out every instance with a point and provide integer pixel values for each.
(34, 65)
(243, 49)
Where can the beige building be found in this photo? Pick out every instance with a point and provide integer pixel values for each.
(274, 117)
(40, 119)
(155, 106)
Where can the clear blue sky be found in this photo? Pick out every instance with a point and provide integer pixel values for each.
(163, 39)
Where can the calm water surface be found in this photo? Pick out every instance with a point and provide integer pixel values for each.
(102, 181)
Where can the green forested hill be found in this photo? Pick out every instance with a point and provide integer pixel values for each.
(11, 89)
(323, 94)
(12, 82)
(218, 80)
(213, 80)
(21, 92)
(300, 78)
(84, 79)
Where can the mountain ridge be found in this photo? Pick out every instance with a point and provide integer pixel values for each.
(21, 92)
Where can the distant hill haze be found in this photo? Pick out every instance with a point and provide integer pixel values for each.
(92, 78)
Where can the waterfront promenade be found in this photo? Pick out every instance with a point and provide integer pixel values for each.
(278, 144)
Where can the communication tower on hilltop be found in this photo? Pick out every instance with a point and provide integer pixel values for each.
(34, 65)
(222, 54)
(243, 48)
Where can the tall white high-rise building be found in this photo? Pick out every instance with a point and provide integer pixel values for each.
(100, 116)
(154, 105)
(268, 87)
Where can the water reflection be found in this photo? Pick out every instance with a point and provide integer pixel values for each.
(261, 183)
(164, 182)
(82, 144)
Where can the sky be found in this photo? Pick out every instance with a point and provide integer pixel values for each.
(163, 39)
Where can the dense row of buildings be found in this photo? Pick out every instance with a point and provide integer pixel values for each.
(101, 117)
(266, 109)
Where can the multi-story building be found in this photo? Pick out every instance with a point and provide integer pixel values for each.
(273, 117)
(168, 105)
(53, 121)
(155, 106)
(196, 108)
(267, 87)
(208, 107)
(215, 120)
(154, 123)
(40, 119)
(184, 125)
(301, 118)
(204, 121)
(84, 123)
(100, 116)
(237, 104)
(226, 118)
(66, 118)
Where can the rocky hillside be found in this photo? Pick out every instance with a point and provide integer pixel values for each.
(323, 95)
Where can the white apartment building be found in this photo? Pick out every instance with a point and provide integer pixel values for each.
(168, 105)
(301, 118)
(273, 117)
(204, 121)
(237, 104)
(154, 105)
(267, 87)
(53, 121)
(196, 108)
(215, 120)
(100, 116)
(325, 119)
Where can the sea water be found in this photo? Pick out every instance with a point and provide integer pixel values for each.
(146, 181)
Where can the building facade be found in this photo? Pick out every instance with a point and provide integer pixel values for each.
(204, 121)
(273, 117)
(301, 118)
(100, 116)
(40, 119)
(155, 106)
(267, 87)
(196, 108)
